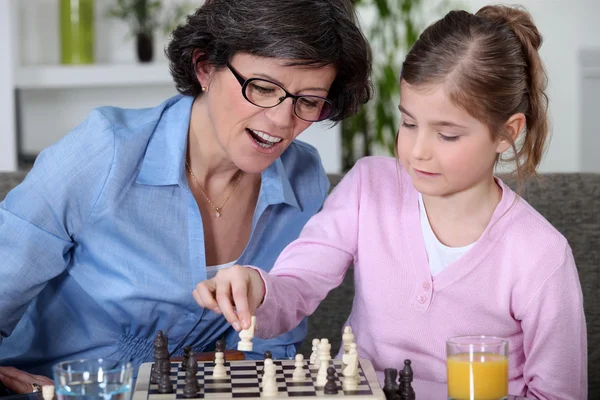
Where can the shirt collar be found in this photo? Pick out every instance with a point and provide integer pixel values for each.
(164, 161)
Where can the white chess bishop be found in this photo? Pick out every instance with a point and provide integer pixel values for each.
(314, 356)
(347, 338)
(246, 335)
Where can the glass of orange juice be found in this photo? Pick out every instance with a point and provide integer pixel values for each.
(477, 368)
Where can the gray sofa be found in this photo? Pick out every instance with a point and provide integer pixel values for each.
(571, 202)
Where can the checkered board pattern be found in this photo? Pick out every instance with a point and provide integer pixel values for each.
(244, 381)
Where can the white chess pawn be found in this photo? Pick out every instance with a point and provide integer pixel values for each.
(219, 372)
(299, 374)
(269, 382)
(324, 358)
(347, 338)
(246, 335)
(48, 392)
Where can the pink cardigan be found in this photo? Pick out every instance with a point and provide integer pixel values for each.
(518, 281)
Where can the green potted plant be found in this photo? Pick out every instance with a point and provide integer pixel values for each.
(145, 17)
(397, 26)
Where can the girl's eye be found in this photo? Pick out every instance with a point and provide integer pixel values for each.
(409, 126)
(449, 138)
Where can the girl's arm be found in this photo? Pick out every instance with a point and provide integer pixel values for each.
(303, 274)
(554, 337)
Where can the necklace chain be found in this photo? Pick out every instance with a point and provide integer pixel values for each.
(219, 209)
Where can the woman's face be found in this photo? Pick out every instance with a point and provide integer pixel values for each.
(250, 136)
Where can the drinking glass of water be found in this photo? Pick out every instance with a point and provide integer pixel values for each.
(93, 380)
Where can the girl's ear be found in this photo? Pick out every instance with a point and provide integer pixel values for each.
(513, 127)
(204, 70)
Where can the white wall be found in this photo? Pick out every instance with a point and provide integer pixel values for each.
(47, 114)
(8, 159)
(567, 27)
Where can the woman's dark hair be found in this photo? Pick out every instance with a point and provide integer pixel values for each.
(490, 66)
(312, 33)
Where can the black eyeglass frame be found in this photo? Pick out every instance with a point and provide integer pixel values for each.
(245, 82)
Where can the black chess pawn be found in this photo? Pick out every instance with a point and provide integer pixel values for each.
(191, 368)
(390, 387)
(407, 392)
(186, 356)
(164, 384)
(331, 385)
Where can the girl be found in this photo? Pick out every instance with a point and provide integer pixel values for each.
(441, 247)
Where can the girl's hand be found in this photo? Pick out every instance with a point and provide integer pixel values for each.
(22, 382)
(236, 287)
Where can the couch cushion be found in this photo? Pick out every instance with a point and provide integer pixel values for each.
(9, 180)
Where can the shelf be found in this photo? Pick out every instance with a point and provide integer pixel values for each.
(83, 76)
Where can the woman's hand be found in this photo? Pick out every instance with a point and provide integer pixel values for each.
(22, 382)
(236, 287)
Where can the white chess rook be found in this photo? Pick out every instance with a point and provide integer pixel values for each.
(246, 335)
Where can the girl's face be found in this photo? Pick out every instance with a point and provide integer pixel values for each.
(444, 149)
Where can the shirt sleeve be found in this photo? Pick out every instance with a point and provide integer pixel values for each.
(42, 217)
(313, 264)
(554, 337)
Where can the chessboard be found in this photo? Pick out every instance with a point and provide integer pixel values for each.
(244, 381)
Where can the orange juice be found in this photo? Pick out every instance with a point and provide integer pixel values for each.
(477, 376)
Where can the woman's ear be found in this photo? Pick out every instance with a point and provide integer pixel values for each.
(513, 127)
(204, 71)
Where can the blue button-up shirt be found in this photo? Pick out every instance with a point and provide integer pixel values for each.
(102, 244)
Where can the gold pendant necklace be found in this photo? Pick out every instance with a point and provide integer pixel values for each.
(219, 209)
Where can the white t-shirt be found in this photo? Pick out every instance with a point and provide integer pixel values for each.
(439, 255)
(212, 270)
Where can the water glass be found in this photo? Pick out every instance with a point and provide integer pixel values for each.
(477, 368)
(93, 380)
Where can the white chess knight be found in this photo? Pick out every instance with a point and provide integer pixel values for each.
(350, 370)
(324, 357)
(219, 370)
(299, 374)
(269, 382)
(314, 356)
(347, 338)
(246, 335)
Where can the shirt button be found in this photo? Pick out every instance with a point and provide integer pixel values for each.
(421, 299)
(426, 285)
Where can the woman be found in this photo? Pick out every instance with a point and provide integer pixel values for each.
(105, 240)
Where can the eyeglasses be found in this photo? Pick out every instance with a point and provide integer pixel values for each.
(266, 94)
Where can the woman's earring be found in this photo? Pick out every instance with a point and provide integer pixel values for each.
(204, 89)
